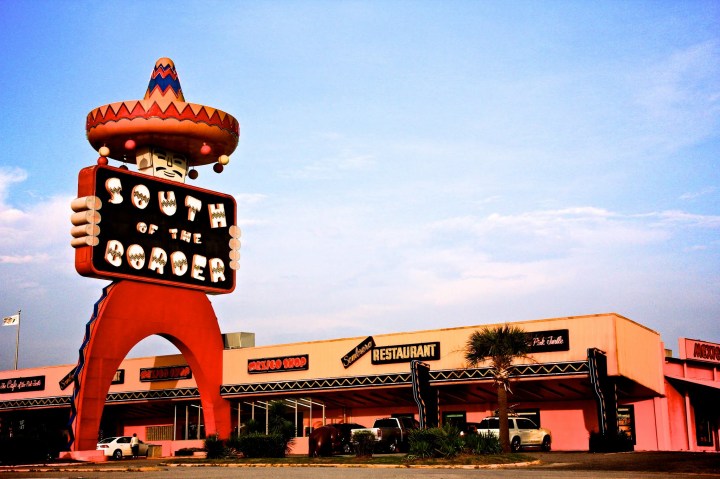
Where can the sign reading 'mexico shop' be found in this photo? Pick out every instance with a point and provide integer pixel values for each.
(300, 362)
(404, 353)
(702, 351)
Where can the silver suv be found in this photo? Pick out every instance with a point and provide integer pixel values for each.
(523, 432)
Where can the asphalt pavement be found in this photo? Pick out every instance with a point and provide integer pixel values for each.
(555, 465)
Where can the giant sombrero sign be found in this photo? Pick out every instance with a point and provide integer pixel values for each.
(164, 244)
(150, 226)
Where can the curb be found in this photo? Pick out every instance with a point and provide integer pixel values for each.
(164, 467)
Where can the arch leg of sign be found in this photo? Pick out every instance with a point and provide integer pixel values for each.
(128, 313)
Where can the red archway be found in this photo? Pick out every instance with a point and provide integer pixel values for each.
(129, 312)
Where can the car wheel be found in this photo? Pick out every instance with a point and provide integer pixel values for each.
(515, 444)
(117, 454)
(546, 444)
(393, 447)
(347, 448)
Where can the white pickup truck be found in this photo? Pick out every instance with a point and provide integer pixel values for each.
(391, 433)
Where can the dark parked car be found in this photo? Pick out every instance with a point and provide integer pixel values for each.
(345, 446)
(469, 428)
(391, 433)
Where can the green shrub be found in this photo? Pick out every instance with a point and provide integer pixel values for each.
(421, 448)
(261, 445)
(482, 443)
(215, 447)
(423, 442)
(364, 442)
(26, 450)
(451, 443)
(252, 441)
(435, 442)
(252, 425)
(185, 451)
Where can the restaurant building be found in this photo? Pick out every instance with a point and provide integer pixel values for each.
(585, 374)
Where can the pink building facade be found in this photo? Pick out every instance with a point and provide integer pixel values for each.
(585, 374)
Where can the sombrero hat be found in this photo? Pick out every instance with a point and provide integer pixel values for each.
(163, 119)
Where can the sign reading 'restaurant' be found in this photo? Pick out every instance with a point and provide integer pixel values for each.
(404, 353)
(702, 351)
(153, 230)
(278, 365)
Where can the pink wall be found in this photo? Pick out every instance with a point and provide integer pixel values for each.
(570, 423)
(646, 433)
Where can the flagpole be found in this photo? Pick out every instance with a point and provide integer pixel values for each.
(17, 341)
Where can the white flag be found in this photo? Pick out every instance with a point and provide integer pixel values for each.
(11, 320)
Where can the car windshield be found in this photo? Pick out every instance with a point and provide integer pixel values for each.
(408, 422)
(490, 423)
(526, 424)
(385, 423)
(106, 440)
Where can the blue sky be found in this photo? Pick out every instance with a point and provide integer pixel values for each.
(401, 166)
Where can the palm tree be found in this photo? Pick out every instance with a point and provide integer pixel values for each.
(501, 345)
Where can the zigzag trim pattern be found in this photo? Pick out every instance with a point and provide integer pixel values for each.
(132, 109)
(162, 82)
(153, 395)
(438, 376)
(318, 384)
(551, 369)
(184, 393)
(81, 363)
(35, 403)
(164, 70)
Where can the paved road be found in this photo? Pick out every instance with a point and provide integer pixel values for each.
(548, 466)
(344, 473)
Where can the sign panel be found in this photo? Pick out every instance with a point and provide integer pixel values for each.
(404, 353)
(18, 385)
(158, 231)
(67, 380)
(425, 396)
(167, 373)
(549, 341)
(279, 365)
(702, 351)
(358, 351)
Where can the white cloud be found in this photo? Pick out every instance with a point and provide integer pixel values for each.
(38, 231)
(692, 195)
(249, 198)
(331, 168)
(24, 259)
(357, 273)
(680, 97)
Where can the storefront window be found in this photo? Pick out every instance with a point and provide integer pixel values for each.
(456, 418)
(703, 431)
(626, 421)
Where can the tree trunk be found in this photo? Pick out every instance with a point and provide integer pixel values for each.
(503, 416)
